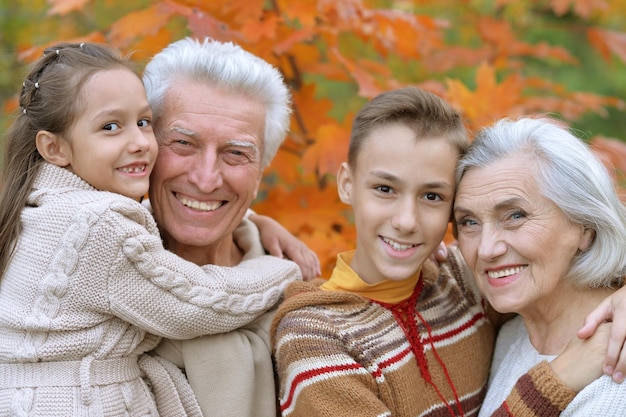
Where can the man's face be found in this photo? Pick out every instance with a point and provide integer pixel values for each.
(209, 165)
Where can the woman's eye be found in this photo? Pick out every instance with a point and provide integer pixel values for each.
(465, 222)
(111, 126)
(517, 215)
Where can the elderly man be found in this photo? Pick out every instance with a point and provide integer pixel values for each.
(220, 115)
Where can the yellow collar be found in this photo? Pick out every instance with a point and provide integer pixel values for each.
(344, 278)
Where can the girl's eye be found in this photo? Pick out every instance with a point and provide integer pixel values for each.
(111, 126)
(143, 123)
(383, 189)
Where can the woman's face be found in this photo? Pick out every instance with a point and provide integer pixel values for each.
(518, 243)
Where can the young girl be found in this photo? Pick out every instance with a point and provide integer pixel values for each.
(87, 286)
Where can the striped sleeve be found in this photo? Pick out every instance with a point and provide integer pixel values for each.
(318, 376)
(538, 393)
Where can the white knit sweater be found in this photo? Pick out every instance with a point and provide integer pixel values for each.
(515, 355)
(90, 289)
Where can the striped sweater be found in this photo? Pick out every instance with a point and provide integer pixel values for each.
(339, 354)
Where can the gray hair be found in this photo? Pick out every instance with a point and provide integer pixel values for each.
(225, 65)
(570, 175)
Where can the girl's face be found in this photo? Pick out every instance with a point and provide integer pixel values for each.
(111, 144)
(401, 193)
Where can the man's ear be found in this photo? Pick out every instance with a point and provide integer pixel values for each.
(52, 148)
(344, 183)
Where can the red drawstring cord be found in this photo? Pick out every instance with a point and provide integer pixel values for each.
(405, 312)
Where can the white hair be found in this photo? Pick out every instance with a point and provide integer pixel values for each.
(225, 65)
(570, 175)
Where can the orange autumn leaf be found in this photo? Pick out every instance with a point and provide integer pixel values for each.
(491, 100)
(330, 148)
(302, 11)
(611, 151)
(608, 42)
(266, 27)
(368, 87)
(137, 24)
(583, 8)
(63, 7)
(310, 112)
(244, 11)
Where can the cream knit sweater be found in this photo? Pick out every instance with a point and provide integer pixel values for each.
(90, 289)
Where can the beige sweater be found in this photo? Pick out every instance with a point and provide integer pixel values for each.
(90, 289)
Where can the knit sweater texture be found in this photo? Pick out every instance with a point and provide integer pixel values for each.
(340, 354)
(231, 373)
(513, 394)
(90, 288)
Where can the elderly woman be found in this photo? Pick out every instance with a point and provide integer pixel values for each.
(544, 232)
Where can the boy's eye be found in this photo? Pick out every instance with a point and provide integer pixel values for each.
(143, 123)
(433, 197)
(111, 126)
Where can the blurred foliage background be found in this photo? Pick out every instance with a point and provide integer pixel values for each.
(489, 58)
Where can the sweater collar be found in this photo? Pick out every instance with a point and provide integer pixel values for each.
(344, 278)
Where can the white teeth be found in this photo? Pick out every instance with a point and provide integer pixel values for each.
(397, 246)
(200, 205)
(133, 170)
(505, 272)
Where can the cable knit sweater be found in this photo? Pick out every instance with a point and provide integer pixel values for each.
(90, 288)
(341, 354)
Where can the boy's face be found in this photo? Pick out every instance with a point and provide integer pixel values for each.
(401, 192)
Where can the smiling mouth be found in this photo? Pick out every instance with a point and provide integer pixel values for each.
(200, 205)
(505, 272)
(397, 246)
(133, 170)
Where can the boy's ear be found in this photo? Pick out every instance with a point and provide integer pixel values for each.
(52, 148)
(344, 183)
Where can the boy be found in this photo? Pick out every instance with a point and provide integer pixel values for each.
(390, 333)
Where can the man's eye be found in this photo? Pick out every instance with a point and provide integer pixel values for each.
(111, 126)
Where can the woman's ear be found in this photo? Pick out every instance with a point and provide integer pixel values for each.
(52, 148)
(586, 238)
(344, 183)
